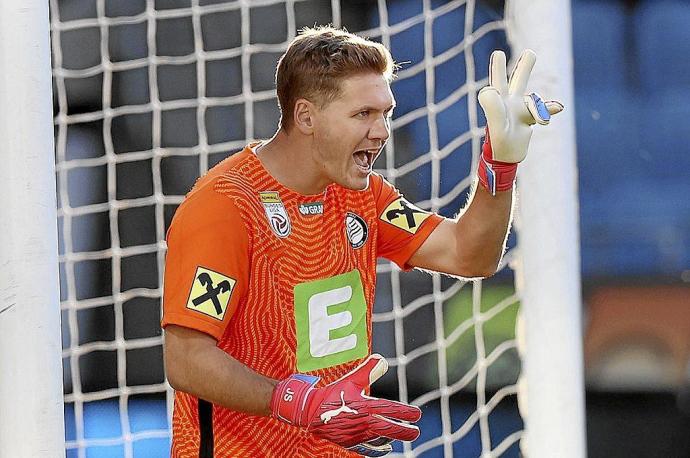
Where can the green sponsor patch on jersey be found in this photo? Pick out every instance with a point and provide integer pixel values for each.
(331, 321)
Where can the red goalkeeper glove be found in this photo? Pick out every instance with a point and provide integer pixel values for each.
(509, 117)
(342, 413)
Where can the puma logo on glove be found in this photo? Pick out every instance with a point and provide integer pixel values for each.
(341, 413)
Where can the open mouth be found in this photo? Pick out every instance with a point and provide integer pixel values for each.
(364, 159)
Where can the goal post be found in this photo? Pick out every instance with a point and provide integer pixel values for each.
(548, 269)
(31, 405)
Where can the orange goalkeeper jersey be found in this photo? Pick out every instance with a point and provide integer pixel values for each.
(285, 283)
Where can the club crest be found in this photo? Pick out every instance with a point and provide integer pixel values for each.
(276, 213)
(356, 230)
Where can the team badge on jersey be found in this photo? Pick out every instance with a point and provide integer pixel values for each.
(404, 215)
(210, 293)
(276, 213)
(356, 230)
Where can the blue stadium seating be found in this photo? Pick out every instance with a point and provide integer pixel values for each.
(662, 39)
(607, 137)
(632, 91)
(636, 228)
(606, 124)
(664, 125)
(662, 31)
(632, 87)
(599, 43)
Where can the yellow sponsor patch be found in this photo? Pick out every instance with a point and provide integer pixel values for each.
(210, 293)
(404, 215)
(270, 197)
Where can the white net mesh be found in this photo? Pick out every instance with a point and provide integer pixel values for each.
(152, 93)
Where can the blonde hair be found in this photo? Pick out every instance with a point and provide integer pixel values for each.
(318, 60)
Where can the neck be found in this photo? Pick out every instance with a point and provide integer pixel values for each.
(287, 157)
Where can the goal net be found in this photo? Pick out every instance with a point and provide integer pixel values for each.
(150, 94)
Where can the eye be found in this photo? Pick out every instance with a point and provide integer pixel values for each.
(363, 114)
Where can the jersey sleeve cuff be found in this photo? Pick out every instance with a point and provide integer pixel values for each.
(198, 324)
(423, 233)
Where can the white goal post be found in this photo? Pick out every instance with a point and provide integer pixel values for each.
(546, 260)
(31, 407)
(552, 398)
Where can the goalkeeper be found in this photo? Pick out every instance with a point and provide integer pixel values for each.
(271, 265)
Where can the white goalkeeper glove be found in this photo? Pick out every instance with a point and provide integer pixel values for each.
(509, 117)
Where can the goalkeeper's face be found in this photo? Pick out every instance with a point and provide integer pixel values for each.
(350, 132)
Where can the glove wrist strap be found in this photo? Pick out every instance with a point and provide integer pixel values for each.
(287, 402)
(495, 175)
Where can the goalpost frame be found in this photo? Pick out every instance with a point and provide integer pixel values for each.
(31, 405)
(548, 271)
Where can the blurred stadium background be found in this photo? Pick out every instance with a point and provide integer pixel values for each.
(632, 82)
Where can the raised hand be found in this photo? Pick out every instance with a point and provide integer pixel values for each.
(510, 113)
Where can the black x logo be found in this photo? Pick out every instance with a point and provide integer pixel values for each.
(212, 292)
(406, 211)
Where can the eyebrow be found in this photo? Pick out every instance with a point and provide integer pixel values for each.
(372, 108)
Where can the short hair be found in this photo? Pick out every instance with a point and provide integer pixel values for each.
(316, 62)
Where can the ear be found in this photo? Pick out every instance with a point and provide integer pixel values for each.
(303, 116)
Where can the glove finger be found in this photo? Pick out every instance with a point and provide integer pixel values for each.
(494, 109)
(539, 110)
(393, 409)
(379, 441)
(536, 110)
(367, 372)
(369, 449)
(520, 76)
(554, 107)
(497, 72)
(381, 426)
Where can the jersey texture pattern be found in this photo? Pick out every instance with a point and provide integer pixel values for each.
(285, 283)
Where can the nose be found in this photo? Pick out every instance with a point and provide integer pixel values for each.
(381, 129)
